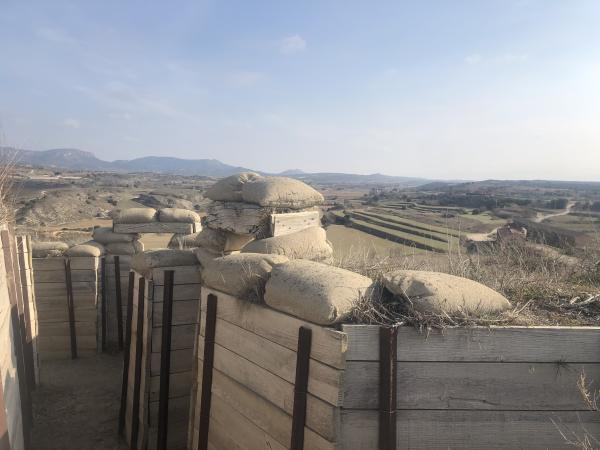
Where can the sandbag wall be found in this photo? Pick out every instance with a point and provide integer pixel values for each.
(17, 338)
(66, 332)
(141, 415)
(366, 386)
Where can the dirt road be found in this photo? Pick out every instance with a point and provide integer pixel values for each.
(541, 217)
(76, 406)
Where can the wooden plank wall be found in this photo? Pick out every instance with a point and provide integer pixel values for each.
(474, 388)
(26, 269)
(51, 304)
(253, 379)
(12, 414)
(112, 336)
(186, 295)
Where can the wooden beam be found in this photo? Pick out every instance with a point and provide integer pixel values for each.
(165, 362)
(103, 312)
(28, 349)
(388, 337)
(118, 303)
(71, 309)
(301, 388)
(287, 223)
(137, 377)
(207, 371)
(126, 353)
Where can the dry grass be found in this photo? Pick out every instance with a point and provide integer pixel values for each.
(7, 206)
(544, 288)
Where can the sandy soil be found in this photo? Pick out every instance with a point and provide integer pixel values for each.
(76, 406)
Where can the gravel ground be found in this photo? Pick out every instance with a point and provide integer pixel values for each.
(76, 406)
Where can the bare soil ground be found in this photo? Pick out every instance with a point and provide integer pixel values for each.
(76, 406)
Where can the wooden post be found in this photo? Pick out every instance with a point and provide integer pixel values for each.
(17, 336)
(301, 388)
(28, 349)
(165, 361)
(388, 349)
(119, 302)
(126, 352)
(137, 375)
(71, 309)
(103, 300)
(207, 371)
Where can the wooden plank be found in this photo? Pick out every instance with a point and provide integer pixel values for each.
(50, 290)
(118, 303)
(126, 353)
(62, 329)
(286, 223)
(180, 292)
(183, 275)
(479, 344)
(328, 346)
(468, 385)
(325, 382)
(90, 263)
(58, 276)
(155, 227)
(208, 356)
(179, 385)
(42, 264)
(182, 336)
(262, 413)
(469, 430)
(388, 337)
(300, 389)
(185, 312)
(27, 314)
(137, 376)
(181, 361)
(103, 306)
(321, 417)
(165, 362)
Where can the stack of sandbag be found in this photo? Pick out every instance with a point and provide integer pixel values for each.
(146, 345)
(51, 288)
(244, 212)
(123, 245)
(150, 220)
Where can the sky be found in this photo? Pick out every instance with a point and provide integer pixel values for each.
(462, 89)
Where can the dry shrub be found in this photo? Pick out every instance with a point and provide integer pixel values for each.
(544, 287)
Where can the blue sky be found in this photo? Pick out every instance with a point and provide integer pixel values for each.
(441, 89)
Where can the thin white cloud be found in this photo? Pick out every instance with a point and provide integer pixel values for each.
(505, 58)
(244, 78)
(292, 44)
(71, 123)
(55, 35)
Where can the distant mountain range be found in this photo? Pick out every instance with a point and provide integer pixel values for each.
(74, 159)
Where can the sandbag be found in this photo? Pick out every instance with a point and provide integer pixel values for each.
(106, 235)
(434, 292)
(178, 215)
(281, 192)
(242, 275)
(48, 249)
(239, 218)
(310, 243)
(314, 291)
(151, 259)
(89, 248)
(205, 256)
(124, 260)
(229, 189)
(183, 241)
(122, 248)
(134, 215)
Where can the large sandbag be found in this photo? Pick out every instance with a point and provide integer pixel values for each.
(434, 292)
(178, 215)
(229, 189)
(106, 235)
(239, 218)
(242, 275)
(122, 248)
(48, 249)
(310, 243)
(151, 259)
(314, 291)
(90, 248)
(183, 241)
(281, 192)
(134, 215)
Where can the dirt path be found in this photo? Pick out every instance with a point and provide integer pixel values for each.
(541, 217)
(76, 406)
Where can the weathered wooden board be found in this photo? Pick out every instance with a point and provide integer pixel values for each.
(184, 312)
(459, 385)
(471, 430)
(157, 227)
(180, 292)
(288, 223)
(58, 276)
(182, 336)
(324, 382)
(52, 290)
(62, 329)
(263, 414)
(183, 275)
(179, 385)
(42, 264)
(181, 361)
(328, 346)
(507, 344)
(84, 263)
(321, 417)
